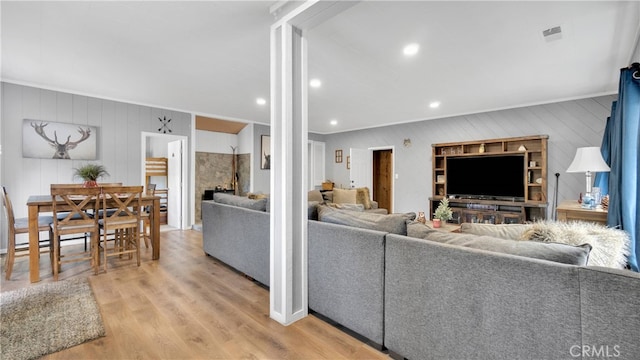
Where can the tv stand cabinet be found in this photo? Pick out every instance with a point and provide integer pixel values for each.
(532, 207)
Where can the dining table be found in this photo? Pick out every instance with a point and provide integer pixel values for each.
(44, 204)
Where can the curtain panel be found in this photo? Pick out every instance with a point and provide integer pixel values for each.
(620, 147)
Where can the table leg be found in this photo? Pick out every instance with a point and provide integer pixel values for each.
(34, 235)
(155, 229)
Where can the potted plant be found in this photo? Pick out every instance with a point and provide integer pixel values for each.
(443, 213)
(90, 173)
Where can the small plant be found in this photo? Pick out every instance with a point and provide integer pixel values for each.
(443, 211)
(90, 172)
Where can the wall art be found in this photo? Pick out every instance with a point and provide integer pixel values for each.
(53, 140)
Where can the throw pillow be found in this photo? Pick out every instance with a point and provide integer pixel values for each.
(561, 253)
(344, 196)
(363, 197)
(394, 223)
(315, 195)
(610, 246)
(503, 231)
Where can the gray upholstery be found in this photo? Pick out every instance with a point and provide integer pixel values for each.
(562, 253)
(242, 201)
(238, 237)
(504, 231)
(428, 300)
(346, 276)
(393, 223)
(610, 305)
(449, 302)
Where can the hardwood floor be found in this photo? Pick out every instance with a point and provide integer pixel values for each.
(189, 306)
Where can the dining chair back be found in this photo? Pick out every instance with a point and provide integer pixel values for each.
(72, 214)
(122, 206)
(21, 226)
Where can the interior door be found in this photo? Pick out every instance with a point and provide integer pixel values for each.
(174, 184)
(382, 178)
(360, 172)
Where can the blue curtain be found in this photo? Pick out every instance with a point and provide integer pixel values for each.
(602, 178)
(620, 148)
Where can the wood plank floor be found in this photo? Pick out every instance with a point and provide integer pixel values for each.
(189, 306)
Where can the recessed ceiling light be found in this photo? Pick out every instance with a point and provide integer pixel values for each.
(261, 101)
(334, 122)
(434, 104)
(316, 83)
(411, 49)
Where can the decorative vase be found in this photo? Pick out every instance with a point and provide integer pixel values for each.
(437, 223)
(481, 148)
(90, 184)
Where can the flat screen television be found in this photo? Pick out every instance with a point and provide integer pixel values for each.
(500, 177)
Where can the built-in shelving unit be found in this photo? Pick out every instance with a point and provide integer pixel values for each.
(534, 204)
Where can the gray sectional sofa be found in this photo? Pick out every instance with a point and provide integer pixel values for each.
(429, 299)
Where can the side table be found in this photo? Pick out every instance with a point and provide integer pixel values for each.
(571, 210)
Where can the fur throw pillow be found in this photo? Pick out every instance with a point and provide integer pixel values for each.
(610, 247)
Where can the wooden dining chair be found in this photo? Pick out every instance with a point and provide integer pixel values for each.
(145, 215)
(72, 209)
(21, 226)
(122, 206)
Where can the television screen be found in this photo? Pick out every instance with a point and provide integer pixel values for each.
(493, 177)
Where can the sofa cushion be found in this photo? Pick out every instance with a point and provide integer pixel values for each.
(315, 195)
(418, 230)
(240, 201)
(503, 231)
(363, 197)
(344, 196)
(393, 223)
(561, 253)
(352, 207)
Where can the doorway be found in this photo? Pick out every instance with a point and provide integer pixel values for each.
(382, 191)
(158, 145)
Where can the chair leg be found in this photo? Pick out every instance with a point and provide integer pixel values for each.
(8, 263)
(56, 257)
(95, 252)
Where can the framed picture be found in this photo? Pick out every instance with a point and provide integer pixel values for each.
(338, 156)
(53, 140)
(265, 152)
(348, 162)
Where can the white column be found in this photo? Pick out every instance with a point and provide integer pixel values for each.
(288, 288)
(288, 230)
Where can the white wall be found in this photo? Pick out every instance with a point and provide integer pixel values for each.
(569, 124)
(261, 178)
(215, 142)
(119, 132)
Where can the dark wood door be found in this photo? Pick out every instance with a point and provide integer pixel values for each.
(382, 178)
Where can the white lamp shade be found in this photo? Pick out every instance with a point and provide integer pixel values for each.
(588, 159)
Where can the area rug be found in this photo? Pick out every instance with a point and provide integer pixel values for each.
(46, 318)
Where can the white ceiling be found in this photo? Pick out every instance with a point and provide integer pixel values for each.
(212, 57)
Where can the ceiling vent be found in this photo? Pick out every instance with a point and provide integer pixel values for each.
(552, 34)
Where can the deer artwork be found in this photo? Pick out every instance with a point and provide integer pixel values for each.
(267, 161)
(61, 150)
